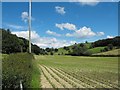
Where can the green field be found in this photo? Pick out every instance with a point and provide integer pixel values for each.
(57, 71)
(112, 52)
(96, 50)
(74, 72)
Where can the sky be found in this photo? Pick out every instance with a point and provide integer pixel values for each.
(58, 24)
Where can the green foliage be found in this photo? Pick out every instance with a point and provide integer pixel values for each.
(66, 48)
(91, 48)
(87, 53)
(51, 53)
(82, 45)
(37, 50)
(105, 42)
(56, 50)
(110, 46)
(10, 43)
(78, 51)
(13, 44)
(36, 72)
(96, 50)
(16, 68)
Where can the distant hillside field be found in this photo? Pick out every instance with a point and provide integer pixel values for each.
(11, 43)
(96, 50)
(108, 45)
(112, 52)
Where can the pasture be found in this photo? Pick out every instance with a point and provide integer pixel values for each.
(77, 72)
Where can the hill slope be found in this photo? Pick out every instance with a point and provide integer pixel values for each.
(112, 52)
(13, 44)
(99, 46)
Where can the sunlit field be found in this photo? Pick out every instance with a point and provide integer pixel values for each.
(78, 72)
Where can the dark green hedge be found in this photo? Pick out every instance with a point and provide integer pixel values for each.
(105, 55)
(16, 67)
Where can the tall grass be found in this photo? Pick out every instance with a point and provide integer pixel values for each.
(35, 82)
(16, 68)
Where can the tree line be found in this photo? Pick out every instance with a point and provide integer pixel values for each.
(13, 44)
(105, 42)
(82, 49)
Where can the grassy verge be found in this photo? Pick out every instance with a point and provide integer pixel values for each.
(35, 83)
(15, 68)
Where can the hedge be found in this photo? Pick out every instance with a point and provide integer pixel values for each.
(16, 68)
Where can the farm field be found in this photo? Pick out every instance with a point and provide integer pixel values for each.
(112, 52)
(77, 72)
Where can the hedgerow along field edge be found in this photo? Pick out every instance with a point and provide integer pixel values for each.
(19, 67)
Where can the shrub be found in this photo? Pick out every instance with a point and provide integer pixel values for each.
(66, 48)
(110, 46)
(16, 68)
(51, 53)
(87, 53)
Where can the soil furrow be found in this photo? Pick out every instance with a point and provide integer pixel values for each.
(98, 83)
(62, 81)
(74, 79)
(44, 82)
(53, 81)
(67, 79)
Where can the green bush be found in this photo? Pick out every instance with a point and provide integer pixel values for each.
(16, 68)
(87, 53)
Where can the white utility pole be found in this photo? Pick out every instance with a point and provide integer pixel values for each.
(29, 20)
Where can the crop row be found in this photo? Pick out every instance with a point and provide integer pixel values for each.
(63, 80)
(60, 78)
(91, 80)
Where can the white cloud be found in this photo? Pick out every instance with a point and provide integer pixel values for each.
(68, 26)
(73, 42)
(52, 33)
(87, 2)
(60, 10)
(25, 34)
(110, 36)
(25, 16)
(44, 41)
(100, 33)
(84, 32)
(13, 26)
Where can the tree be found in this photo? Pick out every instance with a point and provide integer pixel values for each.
(87, 53)
(104, 42)
(82, 45)
(56, 50)
(35, 49)
(86, 42)
(21, 44)
(51, 53)
(8, 31)
(48, 49)
(13, 44)
(77, 51)
(105, 49)
(66, 48)
(110, 46)
(92, 45)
